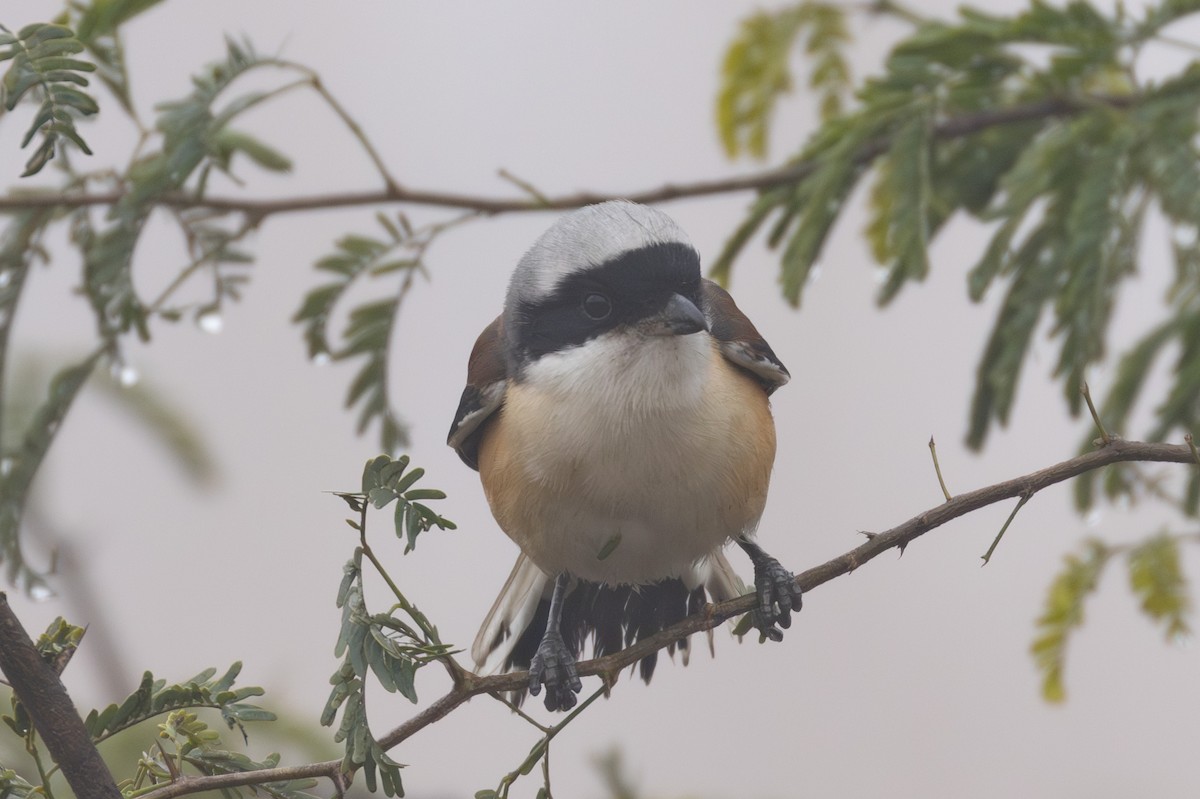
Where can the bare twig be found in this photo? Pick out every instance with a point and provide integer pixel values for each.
(937, 468)
(955, 127)
(1105, 438)
(987, 556)
(1117, 451)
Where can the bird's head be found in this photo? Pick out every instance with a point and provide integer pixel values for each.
(613, 269)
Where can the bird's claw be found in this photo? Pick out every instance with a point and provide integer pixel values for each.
(554, 667)
(778, 597)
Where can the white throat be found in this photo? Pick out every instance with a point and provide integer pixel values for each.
(622, 374)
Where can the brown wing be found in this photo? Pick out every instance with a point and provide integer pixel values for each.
(487, 379)
(740, 342)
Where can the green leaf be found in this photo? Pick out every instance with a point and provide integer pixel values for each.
(756, 70)
(901, 202)
(21, 469)
(1000, 365)
(368, 333)
(227, 143)
(156, 697)
(1063, 615)
(39, 57)
(380, 497)
(1156, 577)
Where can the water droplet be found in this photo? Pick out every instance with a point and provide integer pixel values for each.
(6, 466)
(881, 275)
(39, 592)
(321, 358)
(1093, 518)
(128, 376)
(1182, 640)
(5, 278)
(1185, 235)
(814, 274)
(211, 322)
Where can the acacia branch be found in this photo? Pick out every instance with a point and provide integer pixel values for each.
(468, 685)
(795, 172)
(42, 694)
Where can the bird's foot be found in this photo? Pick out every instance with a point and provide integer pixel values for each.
(554, 667)
(778, 597)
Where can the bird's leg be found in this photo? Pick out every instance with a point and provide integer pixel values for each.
(778, 594)
(553, 665)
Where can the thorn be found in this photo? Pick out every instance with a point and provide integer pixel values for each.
(870, 536)
(1192, 445)
(903, 545)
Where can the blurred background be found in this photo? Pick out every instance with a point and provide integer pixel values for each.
(909, 678)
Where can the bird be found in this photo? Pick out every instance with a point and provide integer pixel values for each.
(617, 413)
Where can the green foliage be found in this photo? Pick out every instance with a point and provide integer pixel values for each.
(1155, 575)
(185, 740)
(97, 24)
(385, 481)
(1064, 614)
(13, 786)
(195, 745)
(41, 56)
(389, 646)
(1033, 123)
(195, 141)
(154, 697)
(1157, 580)
(369, 328)
(56, 646)
(756, 71)
(19, 466)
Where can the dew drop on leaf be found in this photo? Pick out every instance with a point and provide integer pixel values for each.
(40, 593)
(125, 374)
(211, 322)
(321, 358)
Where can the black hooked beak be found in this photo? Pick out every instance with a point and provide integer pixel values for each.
(680, 317)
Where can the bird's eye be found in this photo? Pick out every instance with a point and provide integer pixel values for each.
(597, 306)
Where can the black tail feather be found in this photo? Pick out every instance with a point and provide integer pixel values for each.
(611, 616)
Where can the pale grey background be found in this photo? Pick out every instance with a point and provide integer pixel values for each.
(910, 678)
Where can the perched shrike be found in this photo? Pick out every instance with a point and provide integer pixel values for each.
(617, 414)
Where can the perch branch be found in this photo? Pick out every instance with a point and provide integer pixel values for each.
(609, 666)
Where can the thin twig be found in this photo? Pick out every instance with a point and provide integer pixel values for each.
(1118, 451)
(1087, 397)
(795, 172)
(937, 468)
(524, 185)
(987, 556)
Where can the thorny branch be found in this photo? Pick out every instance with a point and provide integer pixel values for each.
(952, 128)
(468, 685)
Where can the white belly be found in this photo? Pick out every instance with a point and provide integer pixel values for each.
(629, 460)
